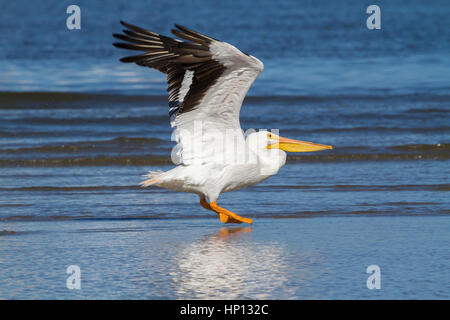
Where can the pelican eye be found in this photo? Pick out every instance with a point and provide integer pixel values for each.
(269, 135)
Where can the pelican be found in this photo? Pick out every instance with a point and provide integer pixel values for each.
(207, 83)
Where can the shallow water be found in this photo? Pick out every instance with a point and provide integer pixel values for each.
(323, 258)
(71, 157)
(78, 129)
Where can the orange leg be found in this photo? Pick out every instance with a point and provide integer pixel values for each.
(205, 204)
(225, 215)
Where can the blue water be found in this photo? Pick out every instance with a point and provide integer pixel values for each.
(78, 129)
(323, 258)
(308, 47)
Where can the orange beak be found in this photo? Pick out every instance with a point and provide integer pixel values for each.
(291, 145)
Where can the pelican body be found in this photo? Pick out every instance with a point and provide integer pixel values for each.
(207, 83)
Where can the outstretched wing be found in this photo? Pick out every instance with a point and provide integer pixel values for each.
(207, 82)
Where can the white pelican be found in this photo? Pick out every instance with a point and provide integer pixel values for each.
(207, 82)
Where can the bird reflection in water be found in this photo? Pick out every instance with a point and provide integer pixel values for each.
(226, 234)
(229, 265)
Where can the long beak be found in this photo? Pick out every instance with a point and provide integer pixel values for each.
(291, 145)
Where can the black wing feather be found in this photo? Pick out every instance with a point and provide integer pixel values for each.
(174, 58)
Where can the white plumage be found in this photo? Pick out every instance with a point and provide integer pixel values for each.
(207, 83)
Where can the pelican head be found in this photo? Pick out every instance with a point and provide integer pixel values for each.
(264, 140)
(271, 149)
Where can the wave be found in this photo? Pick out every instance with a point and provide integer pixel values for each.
(381, 129)
(144, 120)
(370, 212)
(440, 147)
(367, 157)
(7, 232)
(73, 188)
(339, 188)
(101, 218)
(62, 100)
(259, 188)
(114, 144)
(132, 150)
(71, 100)
(299, 131)
(155, 160)
(428, 110)
(131, 122)
(151, 141)
(144, 160)
(194, 216)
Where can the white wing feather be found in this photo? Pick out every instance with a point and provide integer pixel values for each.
(207, 83)
(212, 132)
